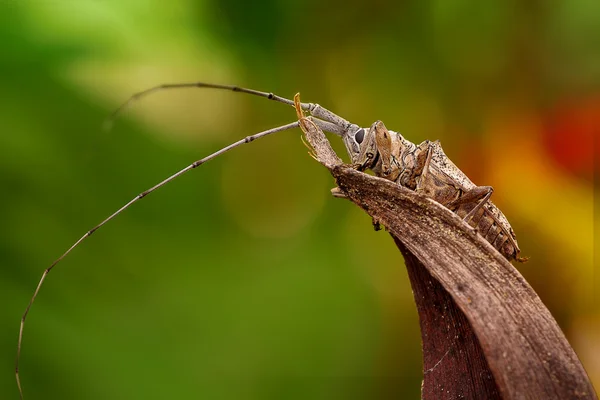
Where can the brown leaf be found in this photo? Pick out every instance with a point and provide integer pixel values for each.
(486, 334)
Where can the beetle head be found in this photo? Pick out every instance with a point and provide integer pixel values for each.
(361, 146)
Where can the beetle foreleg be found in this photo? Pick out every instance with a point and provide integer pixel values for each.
(368, 150)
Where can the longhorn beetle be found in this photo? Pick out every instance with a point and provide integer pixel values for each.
(424, 168)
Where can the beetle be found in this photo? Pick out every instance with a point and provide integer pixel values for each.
(424, 168)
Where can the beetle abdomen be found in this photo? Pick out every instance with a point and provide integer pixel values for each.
(489, 224)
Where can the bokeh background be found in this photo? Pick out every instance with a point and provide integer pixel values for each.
(245, 279)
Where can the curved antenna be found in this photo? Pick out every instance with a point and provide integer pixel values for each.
(325, 119)
(193, 165)
(108, 123)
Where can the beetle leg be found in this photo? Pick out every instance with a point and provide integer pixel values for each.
(368, 150)
(383, 141)
(423, 156)
(480, 194)
(337, 192)
(376, 224)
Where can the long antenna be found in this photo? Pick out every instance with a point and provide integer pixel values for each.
(322, 117)
(195, 164)
(192, 85)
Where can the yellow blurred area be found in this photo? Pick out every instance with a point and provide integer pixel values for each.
(559, 208)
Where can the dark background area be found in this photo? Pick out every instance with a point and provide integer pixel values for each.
(245, 279)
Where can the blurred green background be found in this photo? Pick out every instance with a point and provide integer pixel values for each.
(245, 279)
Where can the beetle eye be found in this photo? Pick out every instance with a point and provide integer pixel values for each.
(359, 136)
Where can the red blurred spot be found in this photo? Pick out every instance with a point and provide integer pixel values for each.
(569, 135)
